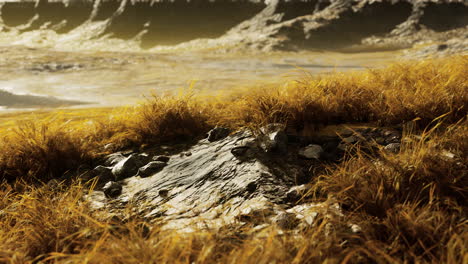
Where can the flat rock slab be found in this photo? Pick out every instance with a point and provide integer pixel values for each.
(212, 183)
(232, 180)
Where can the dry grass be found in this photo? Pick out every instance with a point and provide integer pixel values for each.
(411, 206)
(42, 146)
(421, 172)
(41, 153)
(393, 95)
(397, 94)
(47, 226)
(412, 203)
(171, 119)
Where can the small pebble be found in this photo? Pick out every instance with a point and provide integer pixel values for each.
(112, 189)
(251, 187)
(164, 193)
(239, 151)
(161, 158)
(393, 147)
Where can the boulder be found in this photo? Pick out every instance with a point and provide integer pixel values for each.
(380, 140)
(217, 133)
(392, 136)
(311, 152)
(239, 151)
(104, 174)
(129, 166)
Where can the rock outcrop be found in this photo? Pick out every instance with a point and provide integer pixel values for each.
(232, 180)
(255, 25)
(354, 25)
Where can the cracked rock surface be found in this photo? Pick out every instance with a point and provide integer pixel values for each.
(234, 179)
(211, 182)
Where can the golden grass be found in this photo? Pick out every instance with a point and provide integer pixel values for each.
(396, 94)
(47, 144)
(412, 202)
(411, 206)
(47, 226)
(421, 172)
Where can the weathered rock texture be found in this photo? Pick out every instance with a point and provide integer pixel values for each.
(213, 182)
(264, 25)
(232, 180)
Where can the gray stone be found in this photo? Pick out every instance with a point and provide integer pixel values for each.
(112, 189)
(104, 174)
(161, 158)
(343, 147)
(311, 152)
(164, 193)
(143, 158)
(380, 140)
(186, 154)
(350, 140)
(151, 168)
(113, 159)
(392, 136)
(393, 147)
(218, 133)
(393, 139)
(210, 179)
(447, 155)
(239, 151)
(128, 167)
(346, 143)
(273, 138)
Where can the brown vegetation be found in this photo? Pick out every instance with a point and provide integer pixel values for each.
(411, 206)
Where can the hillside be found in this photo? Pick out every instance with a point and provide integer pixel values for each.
(354, 167)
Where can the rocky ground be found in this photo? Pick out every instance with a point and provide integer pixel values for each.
(230, 177)
(408, 208)
(370, 168)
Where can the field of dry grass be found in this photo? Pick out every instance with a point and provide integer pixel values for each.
(411, 206)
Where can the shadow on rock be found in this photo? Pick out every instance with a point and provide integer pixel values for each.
(242, 177)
